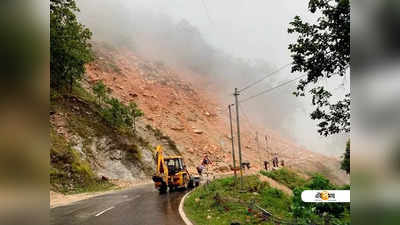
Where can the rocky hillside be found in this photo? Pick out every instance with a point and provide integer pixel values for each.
(180, 112)
(89, 154)
(184, 109)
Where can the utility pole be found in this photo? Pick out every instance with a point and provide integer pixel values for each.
(236, 94)
(258, 149)
(233, 145)
(266, 146)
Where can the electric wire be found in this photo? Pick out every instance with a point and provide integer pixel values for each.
(271, 89)
(265, 77)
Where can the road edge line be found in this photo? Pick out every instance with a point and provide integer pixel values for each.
(181, 212)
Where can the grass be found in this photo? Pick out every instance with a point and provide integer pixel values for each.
(286, 177)
(221, 203)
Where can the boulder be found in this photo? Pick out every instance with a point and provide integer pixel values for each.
(196, 131)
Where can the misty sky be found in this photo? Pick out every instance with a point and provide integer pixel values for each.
(252, 29)
(247, 29)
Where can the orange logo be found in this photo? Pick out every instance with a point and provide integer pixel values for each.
(324, 195)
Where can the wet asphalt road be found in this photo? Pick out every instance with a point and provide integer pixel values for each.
(142, 205)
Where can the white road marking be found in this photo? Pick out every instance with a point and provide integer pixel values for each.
(98, 214)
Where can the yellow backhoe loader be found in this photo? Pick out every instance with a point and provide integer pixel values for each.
(171, 173)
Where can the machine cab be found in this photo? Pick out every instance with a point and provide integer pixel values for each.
(174, 164)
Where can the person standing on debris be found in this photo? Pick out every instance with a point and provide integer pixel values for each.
(200, 169)
(203, 165)
(206, 160)
(266, 165)
(275, 161)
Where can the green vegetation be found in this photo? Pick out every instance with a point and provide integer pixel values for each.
(221, 202)
(135, 112)
(100, 90)
(286, 177)
(88, 116)
(309, 213)
(70, 49)
(119, 115)
(322, 51)
(70, 173)
(345, 164)
(116, 113)
(133, 153)
(225, 204)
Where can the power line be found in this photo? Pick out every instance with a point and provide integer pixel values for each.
(271, 89)
(265, 77)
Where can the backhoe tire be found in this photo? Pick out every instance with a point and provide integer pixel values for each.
(190, 184)
(163, 189)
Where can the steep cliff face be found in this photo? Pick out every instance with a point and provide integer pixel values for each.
(193, 117)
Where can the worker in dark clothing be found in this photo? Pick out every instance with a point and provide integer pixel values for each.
(203, 165)
(266, 165)
(275, 160)
(206, 160)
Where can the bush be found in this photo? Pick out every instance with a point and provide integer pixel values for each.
(117, 114)
(100, 90)
(133, 153)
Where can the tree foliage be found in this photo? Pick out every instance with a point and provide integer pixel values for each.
(345, 164)
(70, 49)
(322, 51)
(120, 115)
(135, 112)
(100, 90)
(116, 113)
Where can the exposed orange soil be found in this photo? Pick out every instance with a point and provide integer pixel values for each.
(182, 106)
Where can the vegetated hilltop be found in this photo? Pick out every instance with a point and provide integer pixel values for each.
(193, 117)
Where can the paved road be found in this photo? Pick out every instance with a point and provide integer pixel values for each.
(142, 205)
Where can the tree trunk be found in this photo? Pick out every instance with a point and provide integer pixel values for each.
(134, 124)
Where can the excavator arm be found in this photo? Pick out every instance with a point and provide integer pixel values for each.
(162, 169)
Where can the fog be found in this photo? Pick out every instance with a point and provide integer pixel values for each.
(233, 43)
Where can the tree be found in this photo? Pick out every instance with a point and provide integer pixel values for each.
(117, 114)
(345, 164)
(70, 49)
(100, 90)
(322, 51)
(135, 112)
